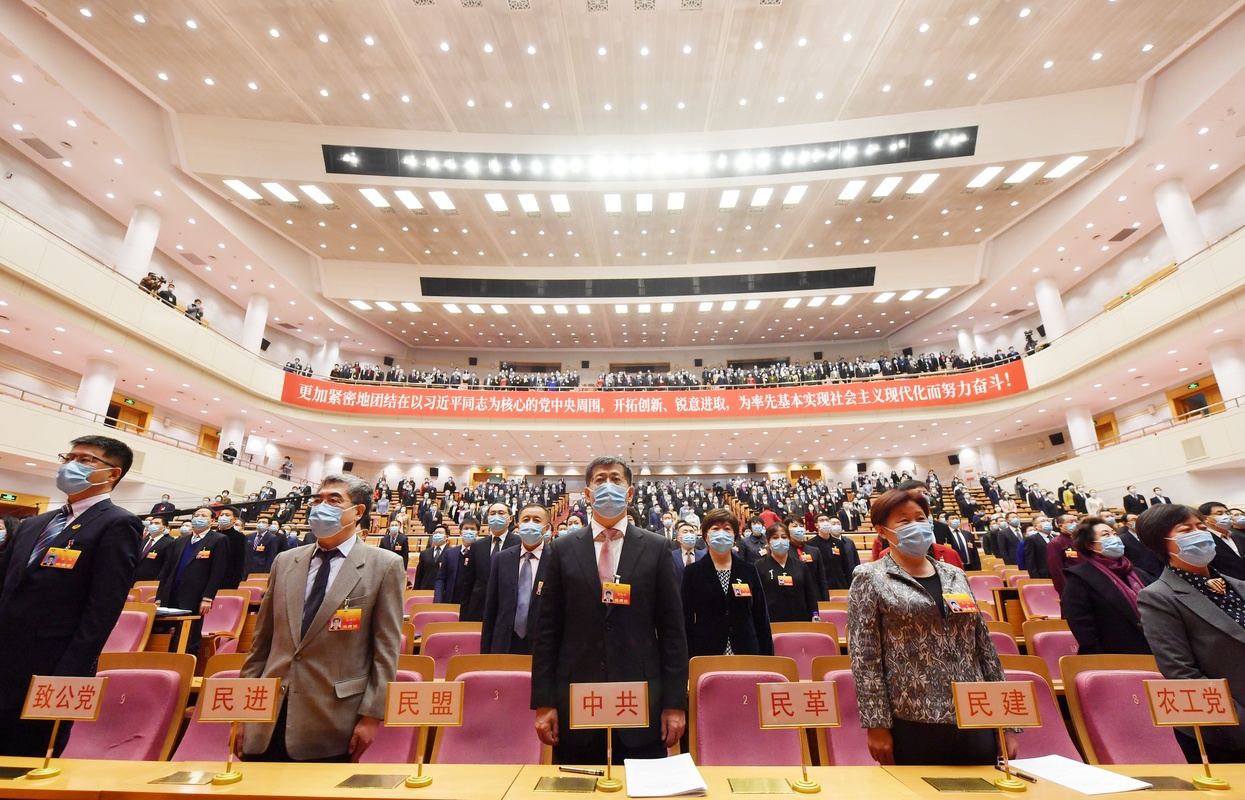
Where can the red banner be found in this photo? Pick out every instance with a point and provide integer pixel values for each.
(877, 395)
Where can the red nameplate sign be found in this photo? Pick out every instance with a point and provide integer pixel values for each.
(996, 704)
(1191, 702)
(799, 705)
(64, 698)
(609, 705)
(410, 703)
(239, 699)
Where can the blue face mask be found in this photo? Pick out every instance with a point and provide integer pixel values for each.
(779, 547)
(468, 536)
(757, 530)
(797, 534)
(609, 500)
(498, 523)
(1109, 520)
(224, 523)
(1196, 547)
(915, 539)
(185, 529)
(153, 528)
(721, 541)
(688, 540)
(438, 539)
(1223, 520)
(571, 529)
(531, 533)
(200, 523)
(1112, 547)
(325, 520)
(261, 528)
(74, 477)
(1045, 527)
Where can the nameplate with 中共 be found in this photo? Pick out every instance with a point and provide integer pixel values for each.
(808, 704)
(239, 699)
(1191, 702)
(609, 705)
(52, 697)
(996, 704)
(413, 703)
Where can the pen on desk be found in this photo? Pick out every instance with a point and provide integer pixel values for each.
(600, 773)
(1017, 773)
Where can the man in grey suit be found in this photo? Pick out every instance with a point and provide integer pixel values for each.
(330, 628)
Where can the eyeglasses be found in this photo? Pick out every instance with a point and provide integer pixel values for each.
(84, 458)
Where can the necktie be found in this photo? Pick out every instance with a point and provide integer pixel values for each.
(605, 561)
(525, 596)
(318, 587)
(496, 545)
(147, 547)
(687, 558)
(55, 526)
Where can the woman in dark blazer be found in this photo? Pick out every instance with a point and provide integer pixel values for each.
(723, 602)
(790, 587)
(1099, 600)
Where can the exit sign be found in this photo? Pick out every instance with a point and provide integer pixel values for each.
(129, 402)
(8, 498)
(1193, 385)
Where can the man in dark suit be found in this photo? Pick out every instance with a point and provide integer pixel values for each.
(580, 637)
(833, 549)
(685, 553)
(1035, 553)
(262, 546)
(1159, 498)
(452, 576)
(235, 568)
(430, 560)
(163, 507)
(229, 454)
(849, 518)
(55, 619)
(1008, 540)
(515, 585)
(395, 541)
(475, 582)
(1133, 502)
(154, 552)
(962, 542)
(1229, 546)
(1141, 556)
(194, 571)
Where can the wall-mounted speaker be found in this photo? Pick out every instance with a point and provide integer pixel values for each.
(752, 466)
(817, 355)
(347, 466)
(584, 365)
(472, 361)
(1041, 330)
(1057, 439)
(861, 467)
(388, 361)
(434, 472)
(953, 460)
(907, 351)
(700, 362)
(540, 469)
(264, 344)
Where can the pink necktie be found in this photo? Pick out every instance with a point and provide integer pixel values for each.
(605, 563)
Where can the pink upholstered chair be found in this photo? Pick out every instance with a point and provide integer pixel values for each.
(133, 627)
(255, 591)
(1052, 739)
(983, 586)
(805, 641)
(416, 597)
(1004, 643)
(1040, 601)
(209, 741)
(141, 708)
(498, 726)
(1049, 640)
(410, 575)
(846, 745)
(228, 613)
(146, 592)
(421, 618)
(836, 615)
(442, 641)
(723, 724)
(397, 745)
(1110, 712)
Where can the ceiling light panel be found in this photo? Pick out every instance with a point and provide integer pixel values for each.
(816, 301)
(442, 201)
(730, 197)
(792, 302)
(1024, 172)
(884, 297)
(753, 305)
(375, 198)
(244, 190)
(359, 304)
(407, 198)
(921, 184)
(985, 176)
(793, 196)
(613, 204)
(317, 195)
(674, 201)
(529, 205)
(281, 193)
(561, 204)
(937, 293)
(886, 187)
(910, 295)
(497, 203)
(411, 307)
(842, 300)
(1067, 165)
(760, 198)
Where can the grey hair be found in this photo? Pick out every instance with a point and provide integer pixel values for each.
(360, 491)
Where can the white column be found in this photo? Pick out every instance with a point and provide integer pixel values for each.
(1227, 361)
(99, 379)
(1081, 427)
(989, 459)
(234, 430)
(1050, 304)
(322, 362)
(253, 325)
(134, 260)
(964, 340)
(1180, 221)
(979, 344)
(315, 468)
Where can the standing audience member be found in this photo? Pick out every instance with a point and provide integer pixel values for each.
(786, 582)
(475, 582)
(516, 578)
(155, 551)
(56, 612)
(724, 611)
(451, 577)
(1059, 551)
(1229, 545)
(262, 547)
(227, 524)
(395, 541)
(1099, 600)
(430, 561)
(194, 571)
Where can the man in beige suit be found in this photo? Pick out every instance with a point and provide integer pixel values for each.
(330, 628)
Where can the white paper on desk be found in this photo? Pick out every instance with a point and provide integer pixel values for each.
(664, 777)
(1077, 776)
(173, 612)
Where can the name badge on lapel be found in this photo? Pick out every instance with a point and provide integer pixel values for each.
(961, 603)
(60, 558)
(741, 589)
(203, 554)
(540, 586)
(346, 619)
(786, 580)
(806, 557)
(616, 594)
(152, 554)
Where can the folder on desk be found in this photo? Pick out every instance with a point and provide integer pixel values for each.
(675, 776)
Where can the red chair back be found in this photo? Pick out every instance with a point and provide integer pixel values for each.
(415, 600)
(138, 707)
(225, 616)
(1118, 722)
(837, 616)
(804, 647)
(1042, 600)
(498, 726)
(1050, 646)
(421, 618)
(848, 744)
(1005, 645)
(394, 745)
(129, 634)
(205, 741)
(728, 728)
(441, 646)
(983, 586)
(1052, 739)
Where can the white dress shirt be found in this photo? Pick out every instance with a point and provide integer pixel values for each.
(78, 508)
(615, 545)
(335, 565)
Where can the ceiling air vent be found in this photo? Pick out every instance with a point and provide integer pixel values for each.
(41, 147)
(598, 5)
(287, 326)
(473, 3)
(692, 5)
(1122, 235)
(520, 5)
(645, 5)
(770, 2)
(194, 259)
(424, 2)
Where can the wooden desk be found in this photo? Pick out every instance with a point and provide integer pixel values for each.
(860, 783)
(308, 781)
(912, 778)
(79, 779)
(170, 634)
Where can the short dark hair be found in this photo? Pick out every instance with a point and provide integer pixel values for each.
(359, 490)
(606, 461)
(1083, 536)
(222, 509)
(1156, 523)
(1204, 508)
(160, 519)
(470, 519)
(719, 515)
(885, 505)
(774, 529)
(541, 506)
(114, 450)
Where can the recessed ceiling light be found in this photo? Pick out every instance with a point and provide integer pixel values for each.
(274, 33)
(1147, 48)
(140, 19)
(847, 37)
(1024, 12)
(531, 49)
(190, 23)
(324, 37)
(369, 41)
(445, 47)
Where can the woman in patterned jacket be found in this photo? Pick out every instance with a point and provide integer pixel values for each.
(908, 644)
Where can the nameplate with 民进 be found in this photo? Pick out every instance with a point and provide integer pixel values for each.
(239, 699)
(51, 697)
(1191, 702)
(609, 705)
(807, 704)
(996, 704)
(403, 400)
(411, 703)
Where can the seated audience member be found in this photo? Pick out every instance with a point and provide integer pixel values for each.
(195, 310)
(1194, 619)
(904, 635)
(1229, 546)
(166, 294)
(1099, 600)
(787, 582)
(724, 610)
